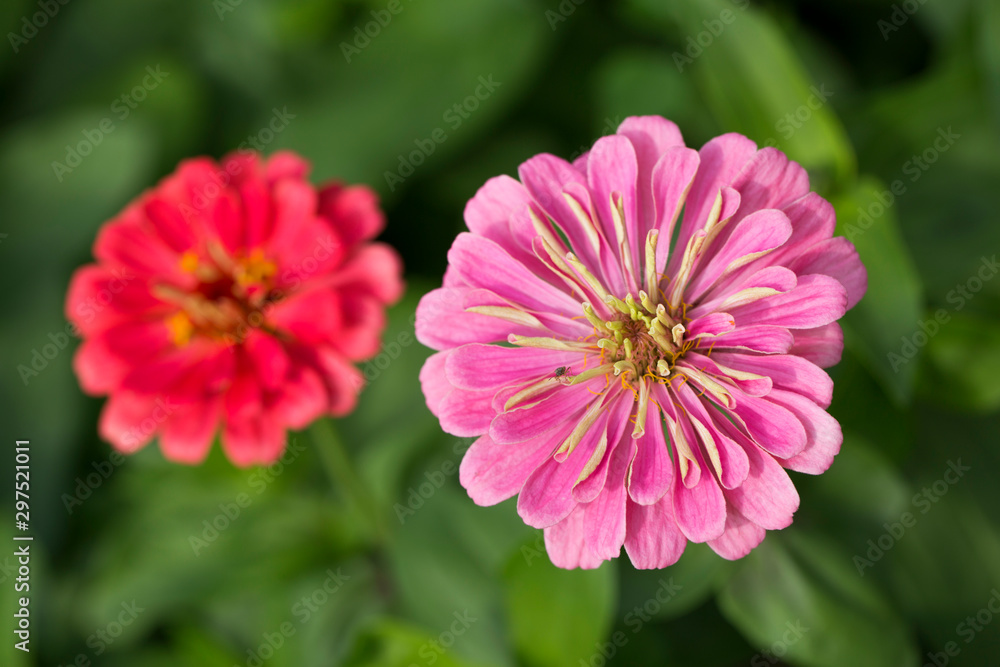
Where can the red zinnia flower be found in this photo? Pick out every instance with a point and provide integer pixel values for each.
(234, 295)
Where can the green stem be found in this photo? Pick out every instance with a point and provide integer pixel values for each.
(337, 463)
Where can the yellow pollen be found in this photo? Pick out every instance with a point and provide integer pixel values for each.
(254, 269)
(189, 261)
(180, 327)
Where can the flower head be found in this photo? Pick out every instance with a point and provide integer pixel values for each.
(231, 297)
(643, 392)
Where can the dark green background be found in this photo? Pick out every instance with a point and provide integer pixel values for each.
(565, 79)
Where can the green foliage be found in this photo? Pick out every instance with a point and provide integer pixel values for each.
(798, 594)
(544, 605)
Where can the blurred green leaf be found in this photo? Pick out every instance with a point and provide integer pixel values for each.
(859, 492)
(544, 605)
(393, 644)
(946, 569)
(390, 96)
(989, 49)
(753, 83)
(439, 568)
(802, 594)
(864, 409)
(696, 575)
(964, 363)
(634, 82)
(384, 448)
(891, 309)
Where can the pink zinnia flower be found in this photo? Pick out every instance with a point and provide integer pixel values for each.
(231, 297)
(647, 397)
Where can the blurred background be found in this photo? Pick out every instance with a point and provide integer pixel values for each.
(894, 108)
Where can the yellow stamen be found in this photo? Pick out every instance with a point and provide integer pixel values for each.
(181, 328)
(189, 261)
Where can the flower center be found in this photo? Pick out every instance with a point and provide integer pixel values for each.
(231, 297)
(641, 339)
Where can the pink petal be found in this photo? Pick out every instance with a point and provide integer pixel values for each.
(124, 245)
(363, 319)
(815, 301)
(732, 459)
(200, 368)
(701, 509)
(604, 518)
(547, 495)
(757, 338)
(269, 360)
(757, 233)
(256, 439)
(546, 177)
(352, 211)
(477, 366)
(303, 397)
(343, 380)
(767, 496)
(786, 372)
(443, 323)
(492, 473)
(466, 413)
(433, 381)
(312, 317)
(524, 423)
(374, 268)
(296, 226)
(823, 345)
(739, 538)
(612, 170)
(720, 160)
(654, 540)
(837, 258)
(618, 418)
(188, 435)
(772, 426)
(824, 435)
(652, 137)
(489, 211)
(103, 361)
(743, 288)
(169, 224)
(813, 220)
(129, 420)
(711, 324)
(482, 263)
(751, 386)
(226, 220)
(770, 180)
(652, 472)
(285, 164)
(670, 183)
(98, 299)
(567, 546)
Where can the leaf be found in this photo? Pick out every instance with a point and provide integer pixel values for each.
(890, 310)
(558, 617)
(945, 570)
(390, 643)
(635, 82)
(441, 568)
(386, 108)
(801, 593)
(861, 491)
(696, 576)
(964, 360)
(754, 83)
